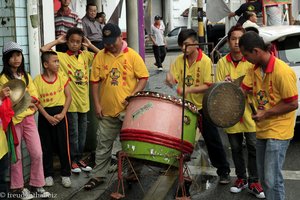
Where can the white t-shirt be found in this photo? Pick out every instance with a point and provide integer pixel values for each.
(158, 34)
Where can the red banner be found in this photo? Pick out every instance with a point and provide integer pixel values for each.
(276, 2)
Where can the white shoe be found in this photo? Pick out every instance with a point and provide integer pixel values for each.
(26, 194)
(160, 69)
(66, 181)
(40, 192)
(49, 181)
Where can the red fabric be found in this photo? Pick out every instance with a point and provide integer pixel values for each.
(6, 112)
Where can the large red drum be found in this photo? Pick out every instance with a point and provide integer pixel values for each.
(152, 128)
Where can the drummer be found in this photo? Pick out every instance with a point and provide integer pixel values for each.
(197, 81)
(121, 72)
(229, 68)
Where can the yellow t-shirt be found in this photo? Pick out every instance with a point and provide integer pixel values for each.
(118, 77)
(197, 74)
(51, 93)
(277, 84)
(77, 70)
(3, 142)
(32, 92)
(226, 67)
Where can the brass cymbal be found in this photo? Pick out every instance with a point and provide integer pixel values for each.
(17, 90)
(23, 104)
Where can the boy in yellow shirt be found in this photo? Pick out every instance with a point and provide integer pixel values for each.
(75, 64)
(198, 79)
(231, 67)
(54, 101)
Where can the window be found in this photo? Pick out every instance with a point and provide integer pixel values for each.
(289, 50)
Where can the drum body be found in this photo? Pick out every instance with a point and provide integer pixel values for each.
(152, 128)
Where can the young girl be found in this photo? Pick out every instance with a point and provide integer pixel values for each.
(25, 126)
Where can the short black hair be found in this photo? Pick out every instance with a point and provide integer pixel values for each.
(100, 14)
(73, 31)
(251, 40)
(88, 5)
(185, 34)
(237, 27)
(252, 28)
(248, 14)
(46, 56)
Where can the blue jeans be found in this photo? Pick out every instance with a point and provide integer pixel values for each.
(77, 132)
(270, 155)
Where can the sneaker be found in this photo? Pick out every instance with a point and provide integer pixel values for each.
(239, 185)
(155, 64)
(40, 192)
(84, 166)
(160, 69)
(75, 168)
(49, 181)
(23, 193)
(66, 181)
(256, 189)
(224, 179)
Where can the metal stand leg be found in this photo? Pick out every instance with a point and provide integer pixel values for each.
(183, 177)
(117, 195)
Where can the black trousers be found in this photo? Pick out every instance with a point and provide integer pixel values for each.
(3, 173)
(159, 54)
(214, 146)
(54, 139)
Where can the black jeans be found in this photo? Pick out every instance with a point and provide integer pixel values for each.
(236, 143)
(214, 146)
(3, 173)
(159, 54)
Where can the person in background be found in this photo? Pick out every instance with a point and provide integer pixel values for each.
(91, 27)
(75, 64)
(198, 74)
(54, 102)
(251, 20)
(274, 15)
(229, 68)
(64, 19)
(120, 72)
(250, 5)
(159, 43)
(273, 85)
(101, 17)
(25, 126)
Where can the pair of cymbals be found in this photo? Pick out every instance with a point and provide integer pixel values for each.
(19, 97)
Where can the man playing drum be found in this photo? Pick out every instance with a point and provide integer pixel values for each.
(273, 85)
(121, 72)
(231, 67)
(198, 79)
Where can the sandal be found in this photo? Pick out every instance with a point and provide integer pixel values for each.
(93, 183)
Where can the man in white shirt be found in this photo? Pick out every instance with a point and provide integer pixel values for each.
(158, 40)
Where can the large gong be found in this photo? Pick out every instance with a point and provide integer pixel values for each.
(224, 104)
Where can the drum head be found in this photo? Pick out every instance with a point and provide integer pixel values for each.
(223, 104)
